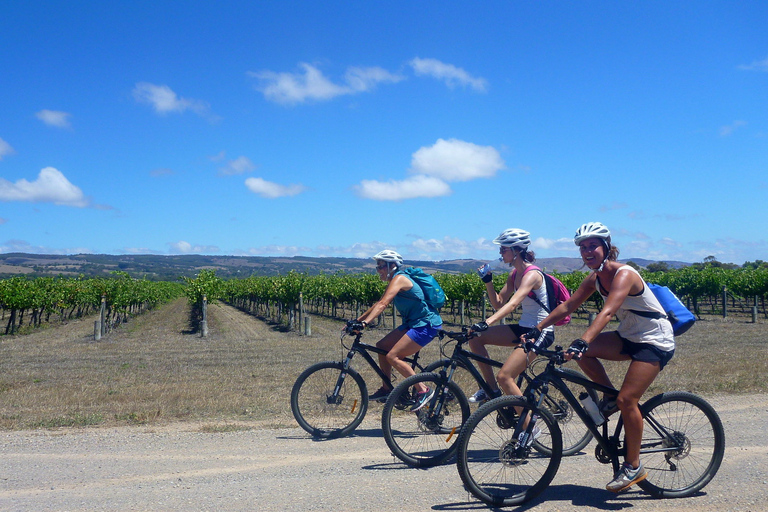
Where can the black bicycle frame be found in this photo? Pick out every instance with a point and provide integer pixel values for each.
(358, 347)
(611, 445)
(465, 357)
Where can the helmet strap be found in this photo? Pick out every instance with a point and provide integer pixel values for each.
(605, 259)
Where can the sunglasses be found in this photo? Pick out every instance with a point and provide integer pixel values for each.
(381, 267)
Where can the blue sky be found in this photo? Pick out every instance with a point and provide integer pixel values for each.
(342, 128)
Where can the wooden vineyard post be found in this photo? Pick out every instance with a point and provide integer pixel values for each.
(204, 322)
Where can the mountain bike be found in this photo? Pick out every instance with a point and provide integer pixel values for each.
(330, 399)
(682, 445)
(428, 436)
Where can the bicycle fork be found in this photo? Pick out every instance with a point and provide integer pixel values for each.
(336, 397)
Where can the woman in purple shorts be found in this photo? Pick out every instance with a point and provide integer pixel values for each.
(648, 343)
(421, 323)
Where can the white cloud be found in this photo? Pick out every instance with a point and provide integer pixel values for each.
(457, 160)
(311, 84)
(758, 65)
(26, 247)
(409, 188)
(432, 167)
(549, 244)
(163, 100)
(54, 118)
(240, 165)
(272, 190)
(727, 130)
(282, 250)
(182, 247)
(448, 73)
(5, 149)
(51, 186)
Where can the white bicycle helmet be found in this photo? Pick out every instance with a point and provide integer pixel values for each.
(514, 237)
(389, 256)
(592, 230)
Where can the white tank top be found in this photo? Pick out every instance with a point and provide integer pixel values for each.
(532, 312)
(640, 329)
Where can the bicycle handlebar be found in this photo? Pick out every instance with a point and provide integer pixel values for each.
(464, 335)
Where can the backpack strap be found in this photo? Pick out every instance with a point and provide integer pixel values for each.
(532, 295)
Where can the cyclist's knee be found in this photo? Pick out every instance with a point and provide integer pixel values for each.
(393, 357)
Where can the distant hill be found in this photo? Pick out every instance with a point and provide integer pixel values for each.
(171, 268)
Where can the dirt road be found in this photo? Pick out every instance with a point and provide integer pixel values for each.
(178, 467)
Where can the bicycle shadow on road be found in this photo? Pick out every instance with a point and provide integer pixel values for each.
(365, 433)
(567, 497)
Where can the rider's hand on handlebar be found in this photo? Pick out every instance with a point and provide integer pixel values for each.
(354, 327)
(533, 334)
(577, 349)
(479, 327)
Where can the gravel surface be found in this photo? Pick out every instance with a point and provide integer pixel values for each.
(179, 467)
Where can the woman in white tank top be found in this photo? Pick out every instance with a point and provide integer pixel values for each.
(647, 343)
(522, 281)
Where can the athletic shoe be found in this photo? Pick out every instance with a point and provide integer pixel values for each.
(608, 405)
(627, 477)
(481, 396)
(380, 395)
(422, 399)
(535, 434)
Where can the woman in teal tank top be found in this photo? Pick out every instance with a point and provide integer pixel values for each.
(420, 324)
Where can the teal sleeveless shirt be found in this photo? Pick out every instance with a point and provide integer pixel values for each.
(413, 309)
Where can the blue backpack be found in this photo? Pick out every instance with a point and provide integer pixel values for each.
(434, 295)
(678, 315)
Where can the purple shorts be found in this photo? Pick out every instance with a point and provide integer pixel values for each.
(422, 335)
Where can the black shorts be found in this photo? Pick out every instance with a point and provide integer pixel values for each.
(646, 352)
(518, 330)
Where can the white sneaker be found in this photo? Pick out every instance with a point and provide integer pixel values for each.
(480, 396)
(627, 477)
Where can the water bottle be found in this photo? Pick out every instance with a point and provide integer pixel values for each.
(591, 407)
(496, 265)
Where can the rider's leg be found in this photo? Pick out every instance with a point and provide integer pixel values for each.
(403, 348)
(513, 367)
(499, 335)
(639, 377)
(386, 343)
(607, 345)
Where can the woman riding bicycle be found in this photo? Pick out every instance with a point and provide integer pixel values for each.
(647, 342)
(421, 323)
(522, 287)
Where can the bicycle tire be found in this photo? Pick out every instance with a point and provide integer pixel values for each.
(575, 433)
(311, 403)
(427, 437)
(491, 463)
(461, 376)
(698, 431)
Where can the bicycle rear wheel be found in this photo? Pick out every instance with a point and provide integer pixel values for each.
(575, 433)
(682, 446)
(428, 436)
(321, 412)
(461, 375)
(495, 465)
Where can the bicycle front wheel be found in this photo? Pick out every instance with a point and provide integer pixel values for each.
(426, 437)
(320, 409)
(683, 444)
(494, 460)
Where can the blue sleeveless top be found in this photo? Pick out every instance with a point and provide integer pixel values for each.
(413, 309)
